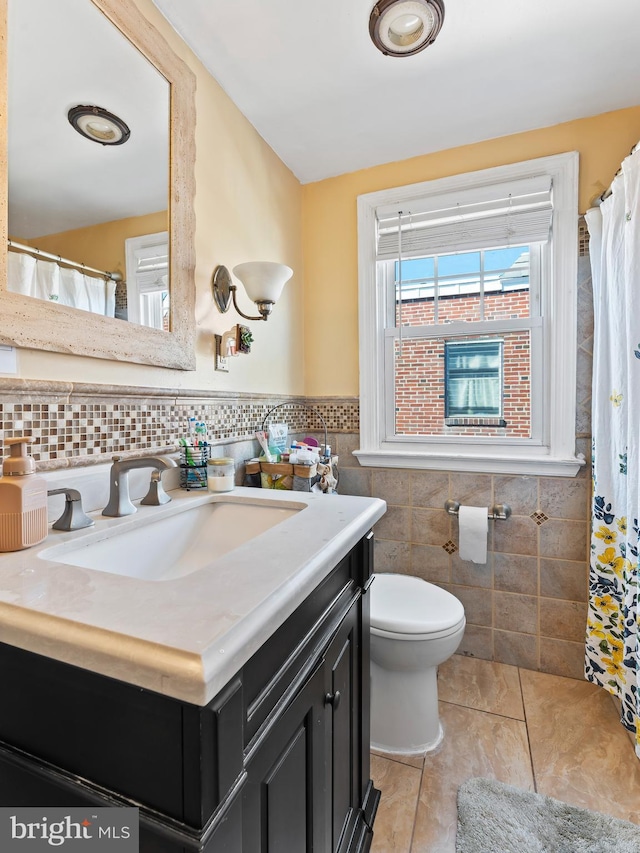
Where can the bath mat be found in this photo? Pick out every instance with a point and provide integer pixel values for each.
(498, 818)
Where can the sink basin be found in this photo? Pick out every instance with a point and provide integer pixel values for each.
(174, 545)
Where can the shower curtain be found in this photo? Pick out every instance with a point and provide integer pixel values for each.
(612, 650)
(46, 280)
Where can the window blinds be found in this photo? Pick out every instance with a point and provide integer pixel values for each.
(509, 214)
(151, 268)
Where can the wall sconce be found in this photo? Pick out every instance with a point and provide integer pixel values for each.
(263, 281)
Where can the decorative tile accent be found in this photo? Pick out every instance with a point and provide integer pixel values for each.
(539, 517)
(450, 547)
(78, 424)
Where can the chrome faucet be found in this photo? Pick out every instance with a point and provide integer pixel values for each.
(73, 516)
(119, 500)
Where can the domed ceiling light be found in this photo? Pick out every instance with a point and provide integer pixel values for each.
(405, 27)
(98, 125)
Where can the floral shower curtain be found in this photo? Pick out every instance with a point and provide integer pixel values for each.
(612, 651)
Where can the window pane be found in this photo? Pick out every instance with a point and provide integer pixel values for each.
(428, 379)
(502, 259)
(467, 287)
(416, 268)
(473, 379)
(457, 264)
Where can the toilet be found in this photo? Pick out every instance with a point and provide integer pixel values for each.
(415, 626)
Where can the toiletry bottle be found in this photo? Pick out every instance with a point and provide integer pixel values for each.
(23, 499)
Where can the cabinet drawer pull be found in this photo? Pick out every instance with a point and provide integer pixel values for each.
(333, 699)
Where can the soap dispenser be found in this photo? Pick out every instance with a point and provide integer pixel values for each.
(23, 498)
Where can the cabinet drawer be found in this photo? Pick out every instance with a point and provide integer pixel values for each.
(273, 671)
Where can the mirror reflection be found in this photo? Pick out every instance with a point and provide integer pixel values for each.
(88, 207)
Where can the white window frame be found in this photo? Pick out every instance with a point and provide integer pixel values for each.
(138, 284)
(552, 450)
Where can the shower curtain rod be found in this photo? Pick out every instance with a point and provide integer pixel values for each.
(21, 247)
(608, 192)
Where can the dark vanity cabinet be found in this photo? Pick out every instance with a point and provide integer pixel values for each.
(277, 762)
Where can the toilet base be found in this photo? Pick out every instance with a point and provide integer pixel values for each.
(417, 750)
(404, 710)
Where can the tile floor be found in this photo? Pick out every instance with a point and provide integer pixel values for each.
(546, 733)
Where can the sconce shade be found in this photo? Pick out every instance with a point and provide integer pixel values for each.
(263, 280)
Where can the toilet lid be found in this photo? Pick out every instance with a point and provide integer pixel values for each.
(408, 605)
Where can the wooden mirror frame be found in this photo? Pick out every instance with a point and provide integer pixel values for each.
(36, 324)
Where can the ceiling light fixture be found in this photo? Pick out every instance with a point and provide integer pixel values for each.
(405, 27)
(98, 125)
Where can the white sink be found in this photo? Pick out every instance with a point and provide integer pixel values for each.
(174, 545)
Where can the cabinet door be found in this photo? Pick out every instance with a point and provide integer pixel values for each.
(285, 800)
(343, 703)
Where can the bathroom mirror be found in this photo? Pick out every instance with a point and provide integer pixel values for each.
(163, 190)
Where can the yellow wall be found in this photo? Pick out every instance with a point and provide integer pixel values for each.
(330, 226)
(248, 207)
(101, 246)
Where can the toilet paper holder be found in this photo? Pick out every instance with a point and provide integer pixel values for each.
(499, 512)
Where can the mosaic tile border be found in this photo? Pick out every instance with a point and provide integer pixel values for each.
(80, 424)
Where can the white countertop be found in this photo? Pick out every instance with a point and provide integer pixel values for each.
(185, 637)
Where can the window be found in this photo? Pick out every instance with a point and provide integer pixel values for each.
(473, 382)
(495, 291)
(147, 269)
(467, 290)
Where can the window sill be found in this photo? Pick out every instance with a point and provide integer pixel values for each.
(470, 421)
(487, 463)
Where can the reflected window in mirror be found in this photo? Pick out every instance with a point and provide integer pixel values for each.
(147, 292)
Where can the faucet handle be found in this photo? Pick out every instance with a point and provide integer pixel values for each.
(73, 516)
(156, 496)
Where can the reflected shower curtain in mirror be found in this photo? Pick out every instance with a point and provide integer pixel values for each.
(46, 280)
(612, 650)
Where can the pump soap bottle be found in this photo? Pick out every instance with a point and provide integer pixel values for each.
(23, 499)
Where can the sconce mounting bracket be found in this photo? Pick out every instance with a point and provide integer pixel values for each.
(221, 286)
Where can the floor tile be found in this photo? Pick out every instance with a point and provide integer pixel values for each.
(581, 754)
(481, 684)
(399, 785)
(412, 759)
(475, 744)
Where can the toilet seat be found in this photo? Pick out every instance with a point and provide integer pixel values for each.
(405, 607)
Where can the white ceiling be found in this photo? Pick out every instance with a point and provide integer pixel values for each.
(308, 78)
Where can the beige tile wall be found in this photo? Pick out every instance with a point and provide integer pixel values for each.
(527, 605)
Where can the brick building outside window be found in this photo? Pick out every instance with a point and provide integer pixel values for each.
(436, 373)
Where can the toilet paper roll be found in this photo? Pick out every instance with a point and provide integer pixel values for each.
(474, 529)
